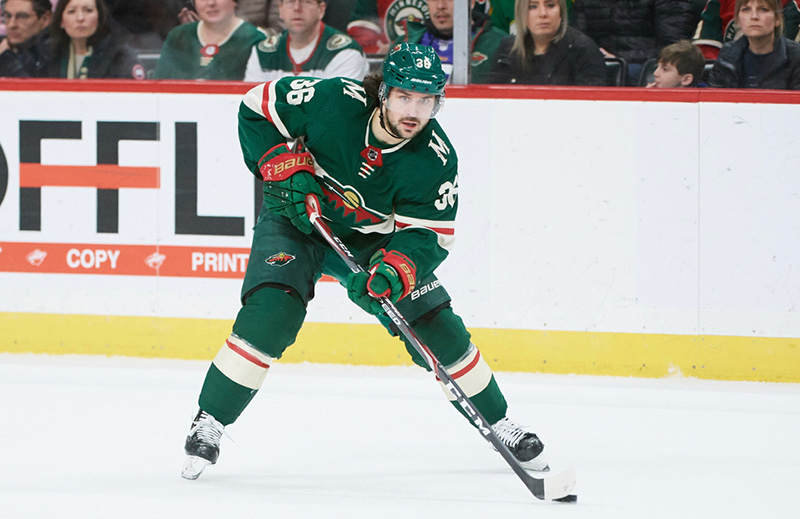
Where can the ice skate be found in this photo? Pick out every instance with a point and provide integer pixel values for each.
(202, 445)
(523, 444)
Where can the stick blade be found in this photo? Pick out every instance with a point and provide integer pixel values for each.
(560, 485)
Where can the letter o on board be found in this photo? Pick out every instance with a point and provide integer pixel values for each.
(3, 175)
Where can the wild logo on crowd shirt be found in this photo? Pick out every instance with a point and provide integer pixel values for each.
(338, 41)
(270, 44)
(207, 54)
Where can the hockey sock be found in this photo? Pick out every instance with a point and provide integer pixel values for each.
(475, 378)
(266, 325)
(447, 337)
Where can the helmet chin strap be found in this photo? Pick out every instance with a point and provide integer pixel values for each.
(385, 128)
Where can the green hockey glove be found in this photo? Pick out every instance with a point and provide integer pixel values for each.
(391, 274)
(288, 179)
(288, 198)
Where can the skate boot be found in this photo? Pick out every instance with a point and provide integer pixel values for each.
(523, 444)
(202, 445)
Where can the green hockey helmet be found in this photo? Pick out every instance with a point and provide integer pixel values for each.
(416, 68)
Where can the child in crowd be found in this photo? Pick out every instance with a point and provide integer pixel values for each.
(680, 64)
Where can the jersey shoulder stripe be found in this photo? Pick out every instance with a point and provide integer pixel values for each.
(444, 230)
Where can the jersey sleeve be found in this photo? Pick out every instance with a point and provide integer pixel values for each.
(276, 112)
(425, 221)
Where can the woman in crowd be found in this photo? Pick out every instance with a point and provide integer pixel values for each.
(545, 51)
(86, 46)
(215, 47)
(762, 57)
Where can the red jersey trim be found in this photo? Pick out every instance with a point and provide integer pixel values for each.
(246, 355)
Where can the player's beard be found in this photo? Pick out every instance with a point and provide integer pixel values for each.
(398, 131)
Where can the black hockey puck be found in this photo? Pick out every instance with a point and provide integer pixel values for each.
(572, 498)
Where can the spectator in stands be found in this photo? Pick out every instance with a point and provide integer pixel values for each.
(717, 25)
(762, 57)
(85, 45)
(307, 47)
(680, 64)
(437, 32)
(24, 51)
(633, 31)
(215, 47)
(376, 23)
(546, 51)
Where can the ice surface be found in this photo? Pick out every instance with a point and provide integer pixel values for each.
(91, 437)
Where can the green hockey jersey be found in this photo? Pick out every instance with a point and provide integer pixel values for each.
(333, 54)
(185, 56)
(407, 193)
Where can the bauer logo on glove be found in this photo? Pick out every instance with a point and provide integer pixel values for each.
(280, 163)
(288, 179)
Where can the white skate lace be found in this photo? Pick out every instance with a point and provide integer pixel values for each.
(208, 430)
(510, 433)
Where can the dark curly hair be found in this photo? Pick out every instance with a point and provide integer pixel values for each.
(372, 83)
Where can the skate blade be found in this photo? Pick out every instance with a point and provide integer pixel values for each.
(193, 467)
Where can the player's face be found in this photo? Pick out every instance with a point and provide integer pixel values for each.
(80, 19)
(301, 16)
(666, 75)
(757, 20)
(215, 11)
(544, 18)
(408, 112)
(21, 21)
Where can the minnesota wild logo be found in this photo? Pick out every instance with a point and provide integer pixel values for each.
(401, 10)
(280, 259)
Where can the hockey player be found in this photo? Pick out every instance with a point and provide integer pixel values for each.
(386, 176)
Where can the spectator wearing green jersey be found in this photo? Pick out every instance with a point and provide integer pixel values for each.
(306, 47)
(215, 47)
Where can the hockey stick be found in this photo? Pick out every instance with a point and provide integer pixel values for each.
(551, 487)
